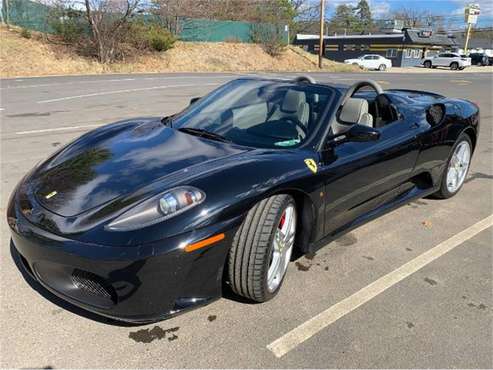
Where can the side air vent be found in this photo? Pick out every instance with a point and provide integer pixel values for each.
(435, 114)
(93, 284)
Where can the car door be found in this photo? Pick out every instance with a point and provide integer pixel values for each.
(449, 59)
(368, 61)
(441, 60)
(375, 63)
(361, 176)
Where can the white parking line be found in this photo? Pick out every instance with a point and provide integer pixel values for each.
(63, 83)
(122, 92)
(115, 80)
(68, 128)
(298, 335)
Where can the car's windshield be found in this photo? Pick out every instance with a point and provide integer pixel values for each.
(258, 113)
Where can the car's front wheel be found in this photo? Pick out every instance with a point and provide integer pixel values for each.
(427, 64)
(382, 67)
(457, 167)
(454, 66)
(262, 248)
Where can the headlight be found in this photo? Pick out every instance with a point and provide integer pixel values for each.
(158, 208)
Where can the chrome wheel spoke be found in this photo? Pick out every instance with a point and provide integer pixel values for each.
(282, 247)
(458, 166)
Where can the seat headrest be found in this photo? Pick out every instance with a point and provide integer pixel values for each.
(353, 109)
(292, 100)
(366, 120)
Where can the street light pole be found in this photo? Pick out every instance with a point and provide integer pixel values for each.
(321, 43)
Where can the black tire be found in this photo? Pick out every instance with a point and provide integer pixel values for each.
(454, 66)
(249, 257)
(382, 67)
(443, 192)
(427, 64)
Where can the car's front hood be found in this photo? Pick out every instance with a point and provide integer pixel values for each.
(116, 160)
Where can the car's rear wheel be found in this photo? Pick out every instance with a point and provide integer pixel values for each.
(457, 168)
(262, 248)
(427, 64)
(454, 66)
(382, 67)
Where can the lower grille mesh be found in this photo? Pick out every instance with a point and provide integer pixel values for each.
(92, 284)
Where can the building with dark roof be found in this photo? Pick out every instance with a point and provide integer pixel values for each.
(481, 38)
(406, 48)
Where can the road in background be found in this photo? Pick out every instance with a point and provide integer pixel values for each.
(439, 316)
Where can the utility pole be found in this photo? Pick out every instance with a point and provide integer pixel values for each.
(468, 35)
(321, 44)
(471, 13)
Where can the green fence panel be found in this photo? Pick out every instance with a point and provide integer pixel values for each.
(35, 16)
(214, 31)
(27, 14)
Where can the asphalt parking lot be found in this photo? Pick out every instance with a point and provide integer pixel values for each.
(437, 315)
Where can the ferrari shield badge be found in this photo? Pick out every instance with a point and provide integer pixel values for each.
(311, 164)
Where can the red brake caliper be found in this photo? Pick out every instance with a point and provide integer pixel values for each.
(282, 220)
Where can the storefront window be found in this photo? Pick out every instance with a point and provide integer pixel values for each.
(391, 53)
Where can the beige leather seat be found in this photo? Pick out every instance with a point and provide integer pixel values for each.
(293, 105)
(354, 111)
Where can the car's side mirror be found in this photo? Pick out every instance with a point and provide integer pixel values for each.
(362, 133)
(193, 100)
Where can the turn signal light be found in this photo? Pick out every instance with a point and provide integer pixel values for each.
(204, 243)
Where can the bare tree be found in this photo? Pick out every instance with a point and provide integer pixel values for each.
(108, 20)
(412, 17)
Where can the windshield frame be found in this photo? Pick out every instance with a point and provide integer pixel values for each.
(313, 140)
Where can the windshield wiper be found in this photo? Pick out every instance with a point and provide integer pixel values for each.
(204, 133)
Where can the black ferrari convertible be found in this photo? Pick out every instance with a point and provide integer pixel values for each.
(142, 219)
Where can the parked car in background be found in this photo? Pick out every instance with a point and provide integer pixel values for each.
(372, 61)
(452, 60)
(480, 59)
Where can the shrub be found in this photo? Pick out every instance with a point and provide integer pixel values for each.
(270, 37)
(69, 24)
(161, 39)
(150, 37)
(26, 33)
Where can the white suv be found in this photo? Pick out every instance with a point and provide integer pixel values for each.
(372, 61)
(452, 60)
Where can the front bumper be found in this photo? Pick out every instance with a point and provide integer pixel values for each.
(129, 283)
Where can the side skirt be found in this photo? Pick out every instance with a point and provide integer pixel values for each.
(408, 196)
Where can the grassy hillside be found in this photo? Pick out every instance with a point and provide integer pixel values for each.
(38, 57)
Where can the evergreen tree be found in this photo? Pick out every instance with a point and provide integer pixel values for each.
(343, 20)
(363, 14)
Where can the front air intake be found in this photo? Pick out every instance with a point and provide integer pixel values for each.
(92, 284)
